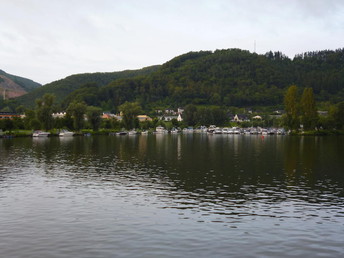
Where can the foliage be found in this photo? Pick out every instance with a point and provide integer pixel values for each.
(190, 115)
(291, 108)
(309, 116)
(130, 111)
(77, 111)
(94, 117)
(63, 87)
(44, 111)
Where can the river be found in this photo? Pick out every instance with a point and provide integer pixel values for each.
(192, 195)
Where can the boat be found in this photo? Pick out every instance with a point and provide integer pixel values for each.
(175, 130)
(121, 133)
(225, 130)
(211, 129)
(218, 130)
(160, 129)
(132, 132)
(40, 134)
(66, 133)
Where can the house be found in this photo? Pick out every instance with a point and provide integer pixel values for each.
(179, 118)
(167, 118)
(144, 118)
(240, 118)
(323, 113)
(108, 115)
(59, 115)
(257, 117)
(9, 115)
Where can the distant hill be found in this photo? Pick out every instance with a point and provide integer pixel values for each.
(63, 87)
(14, 86)
(230, 77)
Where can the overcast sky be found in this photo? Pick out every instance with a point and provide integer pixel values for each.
(47, 40)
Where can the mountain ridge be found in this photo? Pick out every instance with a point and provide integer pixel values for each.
(226, 77)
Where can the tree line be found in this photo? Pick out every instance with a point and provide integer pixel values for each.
(301, 112)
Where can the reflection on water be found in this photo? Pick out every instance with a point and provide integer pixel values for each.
(212, 194)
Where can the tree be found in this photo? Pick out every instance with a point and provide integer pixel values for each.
(337, 115)
(190, 114)
(130, 111)
(30, 115)
(309, 115)
(77, 111)
(8, 125)
(291, 108)
(44, 110)
(94, 117)
(20, 109)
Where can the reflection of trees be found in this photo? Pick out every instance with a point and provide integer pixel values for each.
(207, 168)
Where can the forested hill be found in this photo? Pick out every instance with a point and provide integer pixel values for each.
(231, 77)
(63, 87)
(27, 84)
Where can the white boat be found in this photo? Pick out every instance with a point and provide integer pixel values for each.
(40, 134)
(225, 130)
(218, 130)
(211, 129)
(160, 129)
(132, 132)
(175, 130)
(66, 133)
(122, 133)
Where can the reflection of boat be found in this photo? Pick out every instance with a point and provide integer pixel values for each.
(66, 133)
(40, 134)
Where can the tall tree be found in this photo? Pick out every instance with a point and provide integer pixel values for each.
(77, 111)
(44, 110)
(130, 111)
(190, 114)
(309, 116)
(291, 108)
(94, 117)
(337, 115)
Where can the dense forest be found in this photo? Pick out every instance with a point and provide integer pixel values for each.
(225, 77)
(63, 87)
(230, 77)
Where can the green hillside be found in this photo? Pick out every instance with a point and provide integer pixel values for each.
(230, 77)
(63, 87)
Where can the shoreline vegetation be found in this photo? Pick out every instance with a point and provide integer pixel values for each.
(90, 132)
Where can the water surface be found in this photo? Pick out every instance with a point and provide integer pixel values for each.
(172, 196)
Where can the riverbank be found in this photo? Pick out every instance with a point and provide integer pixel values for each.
(88, 132)
(318, 133)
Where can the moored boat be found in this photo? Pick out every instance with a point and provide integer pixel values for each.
(66, 133)
(40, 134)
